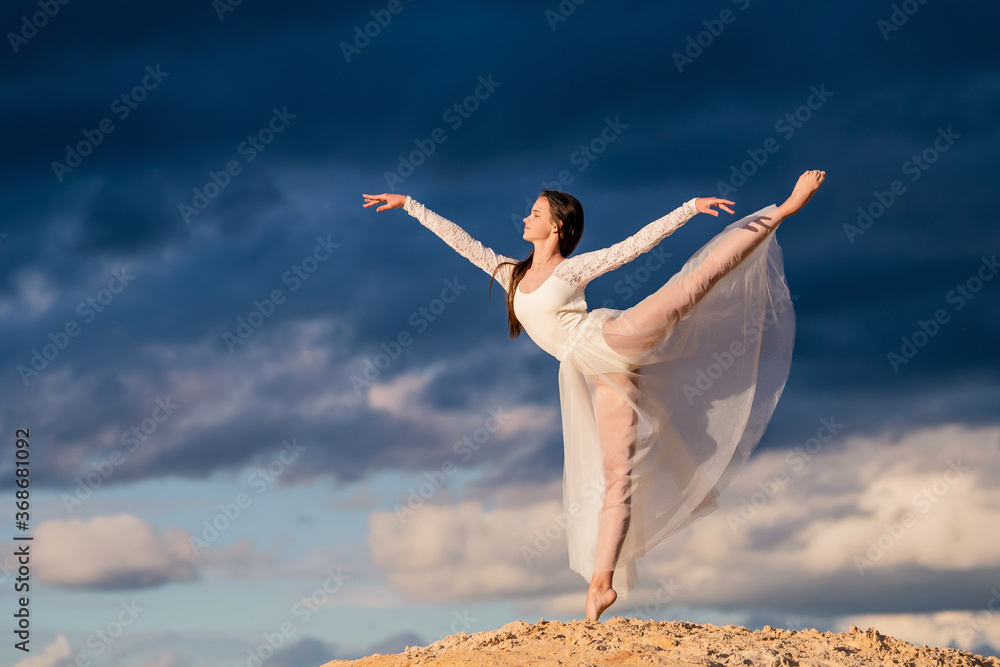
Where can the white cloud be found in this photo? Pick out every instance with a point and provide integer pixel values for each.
(215, 393)
(466, 552)
(927, 498)
(400, 396)
(111, 552)
(403, 398)
(930, 491)
(51, 656)
(863, 519)
(967, 630)
(59, 654)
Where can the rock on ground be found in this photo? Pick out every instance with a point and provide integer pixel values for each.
(626, 641)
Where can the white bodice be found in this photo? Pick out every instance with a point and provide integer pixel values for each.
(551, 312)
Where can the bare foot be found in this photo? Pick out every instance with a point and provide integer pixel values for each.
(805, 188)
(598, 600)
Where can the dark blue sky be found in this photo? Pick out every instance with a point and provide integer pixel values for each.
(345, 124)
(257, 120)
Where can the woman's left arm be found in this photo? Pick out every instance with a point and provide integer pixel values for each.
(583, 268)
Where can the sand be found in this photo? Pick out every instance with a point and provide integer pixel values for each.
(625, 641)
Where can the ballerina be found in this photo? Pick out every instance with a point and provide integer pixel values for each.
(661, 402)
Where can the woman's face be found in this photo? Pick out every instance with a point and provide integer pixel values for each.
(539, 225)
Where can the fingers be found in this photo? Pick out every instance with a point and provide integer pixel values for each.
(722, 204)
(725, 204)
(374, 199)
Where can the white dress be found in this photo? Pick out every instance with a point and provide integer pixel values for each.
(708, 352)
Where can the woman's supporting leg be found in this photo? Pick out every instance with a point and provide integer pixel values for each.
(649, 319)
(615, 395)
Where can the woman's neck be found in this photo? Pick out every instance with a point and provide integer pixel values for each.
(546, 254)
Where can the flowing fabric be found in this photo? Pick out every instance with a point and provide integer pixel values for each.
(662, 402)
(704, 393)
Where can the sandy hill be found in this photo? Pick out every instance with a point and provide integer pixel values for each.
(625, 641)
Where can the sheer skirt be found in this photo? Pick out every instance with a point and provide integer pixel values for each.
(664, 401)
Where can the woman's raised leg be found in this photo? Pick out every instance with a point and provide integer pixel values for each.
(615, 396)
(649, 319)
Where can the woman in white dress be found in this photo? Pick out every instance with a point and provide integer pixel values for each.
(662, 402)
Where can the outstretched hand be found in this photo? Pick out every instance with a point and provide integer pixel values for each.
(391, 201)
(705, 204)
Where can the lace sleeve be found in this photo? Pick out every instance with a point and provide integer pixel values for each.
(461, 241)
(580, 270)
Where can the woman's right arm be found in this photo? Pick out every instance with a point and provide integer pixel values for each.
(450, 233)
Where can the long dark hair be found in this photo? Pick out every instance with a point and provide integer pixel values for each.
(568, 212)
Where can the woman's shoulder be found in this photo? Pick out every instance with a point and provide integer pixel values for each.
(573, 270)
